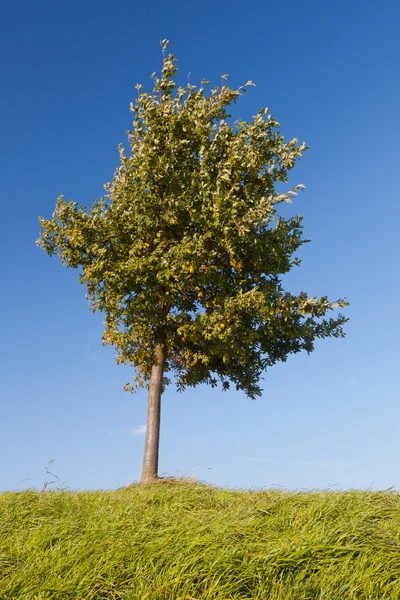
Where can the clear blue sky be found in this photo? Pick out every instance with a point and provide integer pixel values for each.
(330, 72)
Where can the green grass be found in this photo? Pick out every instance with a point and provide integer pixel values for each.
(186, 541)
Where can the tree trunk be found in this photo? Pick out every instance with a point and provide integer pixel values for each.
(152, 443)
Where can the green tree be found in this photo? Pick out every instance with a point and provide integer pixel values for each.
(184, 253)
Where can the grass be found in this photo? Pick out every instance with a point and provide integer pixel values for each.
(191, 541)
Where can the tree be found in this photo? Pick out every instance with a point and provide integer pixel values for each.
(184, 253)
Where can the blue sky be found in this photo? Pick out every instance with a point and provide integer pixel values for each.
(330, 73)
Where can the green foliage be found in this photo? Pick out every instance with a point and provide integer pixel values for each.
(187, 244)
(189, 541)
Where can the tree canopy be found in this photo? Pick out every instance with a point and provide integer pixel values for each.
(187, 249)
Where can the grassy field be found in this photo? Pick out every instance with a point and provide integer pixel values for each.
(187, 541)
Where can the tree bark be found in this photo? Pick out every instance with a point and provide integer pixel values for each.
(152, 443)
